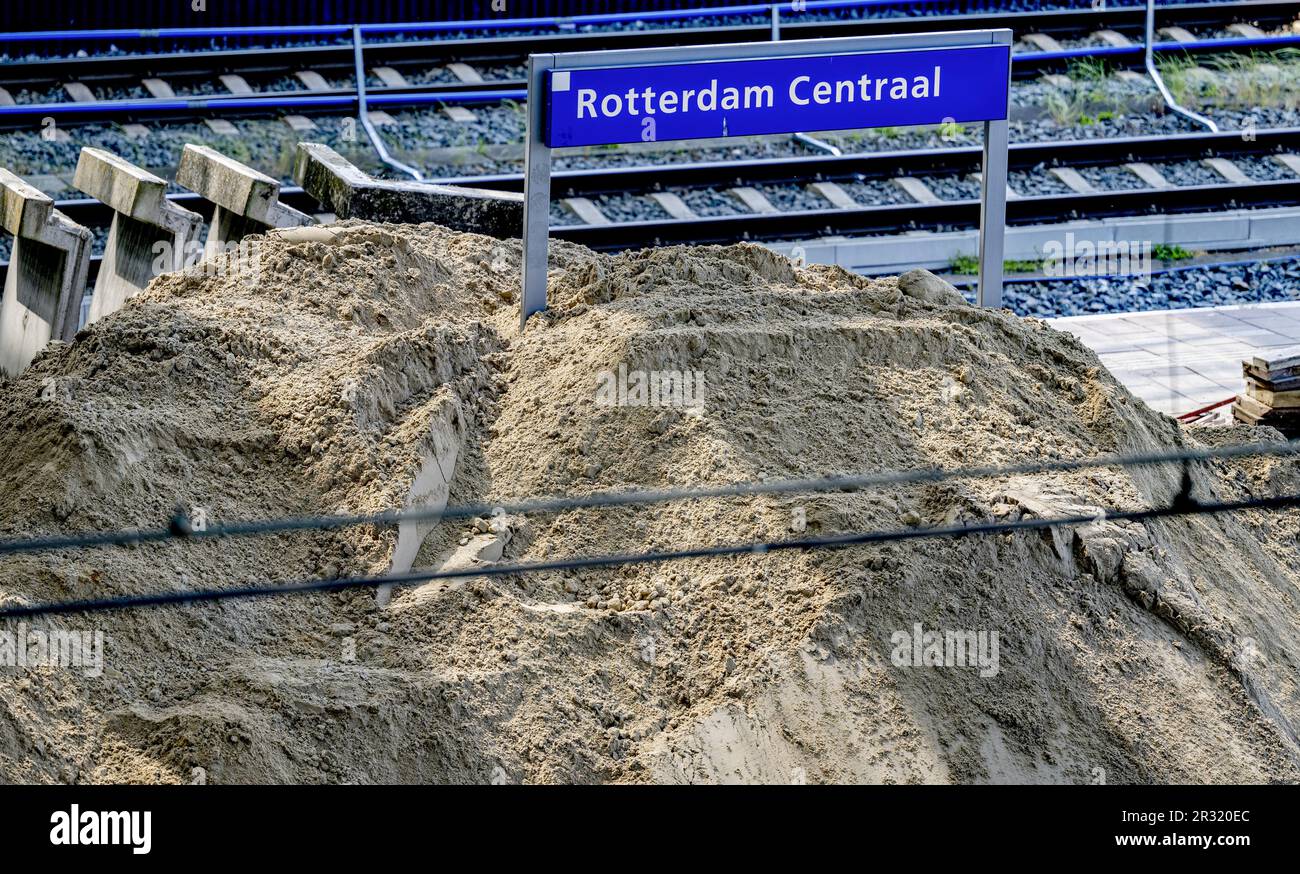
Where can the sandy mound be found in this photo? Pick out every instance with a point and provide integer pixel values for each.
(361, 369)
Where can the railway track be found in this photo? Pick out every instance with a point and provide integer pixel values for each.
(827, 173)
(1026, 208)
(409, 65)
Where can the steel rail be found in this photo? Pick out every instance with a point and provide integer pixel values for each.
(870, 220)
(875, 165)
(337, 57)
(948, 214)
(813, 168)
(341, 100)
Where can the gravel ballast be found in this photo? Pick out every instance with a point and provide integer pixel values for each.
(1181, 288)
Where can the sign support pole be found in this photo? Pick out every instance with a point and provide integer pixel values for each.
(537, 194)
(993, 213)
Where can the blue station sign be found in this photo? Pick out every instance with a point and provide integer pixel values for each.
(607, 105)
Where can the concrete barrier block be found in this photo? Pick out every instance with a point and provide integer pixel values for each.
(26, 208)
(246, 201)
(281, 215)
(430, 489)
(226, 182)
(47, 273)
(118, 183)
(142, 219)
(350, 193)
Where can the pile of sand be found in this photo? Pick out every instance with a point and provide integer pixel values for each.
(364, 365)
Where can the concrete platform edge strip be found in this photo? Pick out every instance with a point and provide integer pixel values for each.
(1226, 231)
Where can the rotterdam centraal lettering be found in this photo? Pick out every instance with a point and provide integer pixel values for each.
(801, 91)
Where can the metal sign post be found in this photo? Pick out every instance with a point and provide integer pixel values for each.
(537, 193)
(747, 89)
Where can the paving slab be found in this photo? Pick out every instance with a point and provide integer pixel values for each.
(1179, 360)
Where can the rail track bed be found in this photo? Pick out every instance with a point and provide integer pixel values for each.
(887, 193)
(320, 79)
(896, 192)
